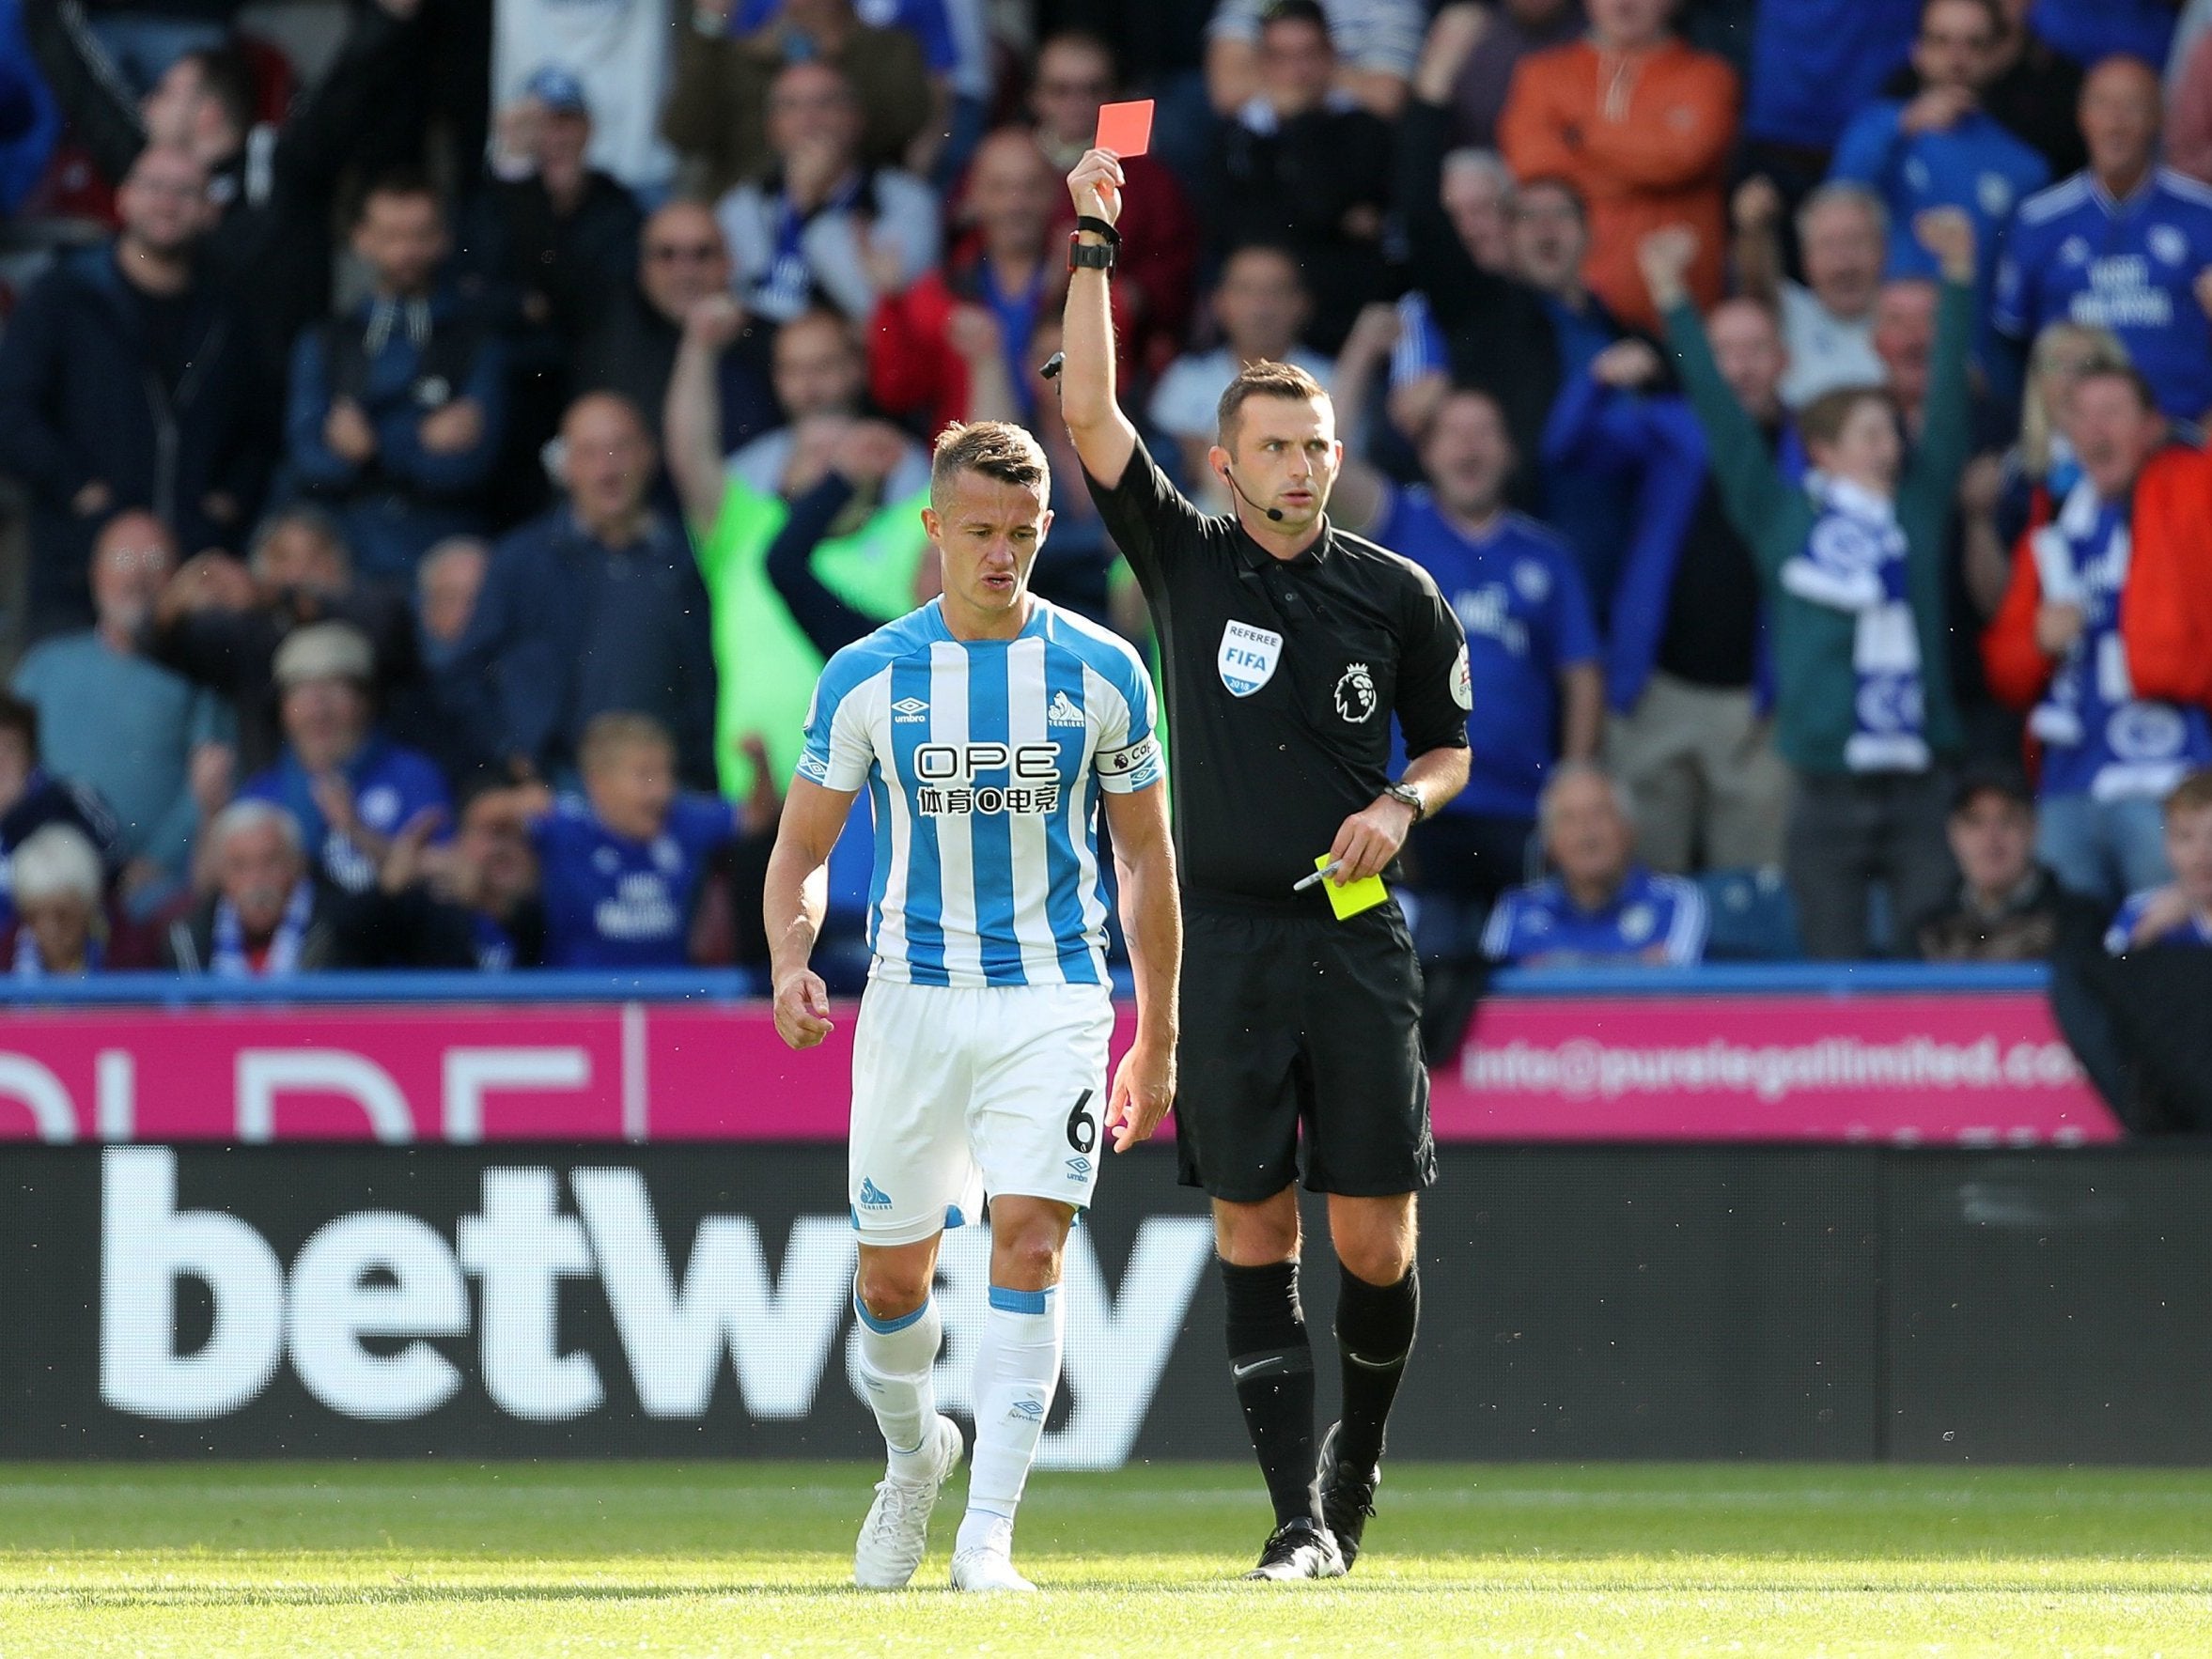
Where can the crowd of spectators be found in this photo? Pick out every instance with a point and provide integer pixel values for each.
(451, 441)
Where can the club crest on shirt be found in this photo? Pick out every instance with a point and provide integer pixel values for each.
(1248, 657)
(379, 806)
(1355, 694)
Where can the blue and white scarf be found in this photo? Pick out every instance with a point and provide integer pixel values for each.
(229, 959)
(786, 287)
(29, 964)
(2100, 739)
(1855, 561)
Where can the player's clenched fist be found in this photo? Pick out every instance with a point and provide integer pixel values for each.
(802, 1009)
(1144, 1089)
(1096, 185)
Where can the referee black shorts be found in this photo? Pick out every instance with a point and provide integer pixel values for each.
(1291, 1022)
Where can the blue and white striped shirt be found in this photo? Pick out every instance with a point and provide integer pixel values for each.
(983, 760)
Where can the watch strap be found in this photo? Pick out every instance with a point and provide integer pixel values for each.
(1082, 255)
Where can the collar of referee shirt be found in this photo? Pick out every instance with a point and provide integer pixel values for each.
(1256, 557)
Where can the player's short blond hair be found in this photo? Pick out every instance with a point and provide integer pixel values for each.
(997, 449)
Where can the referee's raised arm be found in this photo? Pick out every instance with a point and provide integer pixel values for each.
(1104, 436)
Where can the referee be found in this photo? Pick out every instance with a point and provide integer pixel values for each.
(1288, 646)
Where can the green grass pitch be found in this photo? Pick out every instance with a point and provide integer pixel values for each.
(542, 1559)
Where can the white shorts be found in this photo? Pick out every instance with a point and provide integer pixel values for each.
(959, 1093)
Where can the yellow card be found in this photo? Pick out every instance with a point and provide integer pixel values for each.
(1349, 900)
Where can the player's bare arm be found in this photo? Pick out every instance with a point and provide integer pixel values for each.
(1370, 838)
(1104, 436)
(1152, 917)
(796, 896)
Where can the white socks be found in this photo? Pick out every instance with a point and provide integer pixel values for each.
(1017, 1371)
(895, 1359)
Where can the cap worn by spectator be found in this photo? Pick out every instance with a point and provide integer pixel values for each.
(326, 651)
(559, 90)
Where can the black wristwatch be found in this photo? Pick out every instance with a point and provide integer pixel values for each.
(1411, 797)
(1082, 255)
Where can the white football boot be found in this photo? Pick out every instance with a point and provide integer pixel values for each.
(896, 1535)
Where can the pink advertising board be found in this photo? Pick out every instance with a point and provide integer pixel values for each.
(1968, 1068)
(1972, 1069)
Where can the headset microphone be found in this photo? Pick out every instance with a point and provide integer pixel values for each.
(1230, 479)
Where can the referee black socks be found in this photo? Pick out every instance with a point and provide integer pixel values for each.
(1271, 1363)
(1375, 1325)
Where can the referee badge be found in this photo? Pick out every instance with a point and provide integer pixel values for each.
(1248, 657)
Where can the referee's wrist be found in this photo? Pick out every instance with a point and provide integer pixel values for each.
(1410, 797)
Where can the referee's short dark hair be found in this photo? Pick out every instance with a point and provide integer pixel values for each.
(997, 449)
(1263, 379)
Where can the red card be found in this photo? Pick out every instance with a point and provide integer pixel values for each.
(1126, 129)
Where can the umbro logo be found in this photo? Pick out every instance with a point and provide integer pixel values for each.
(1078, 1168)
(907, 711)
(873, 1197)
(1026, 1411)
(1062, 711)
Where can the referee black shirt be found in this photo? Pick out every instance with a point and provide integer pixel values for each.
(1281, 676)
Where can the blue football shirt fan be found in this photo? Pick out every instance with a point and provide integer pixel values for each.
(1975, 164)
(2179, 912)
(1518, 593)
(2078, 254)
(1600, 908)
(624, 901)
(2195, 932)
(1650, 918)
(324, 673)
(620, 866)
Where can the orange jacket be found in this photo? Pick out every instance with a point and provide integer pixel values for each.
(1646, 138)
(2165, 608)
